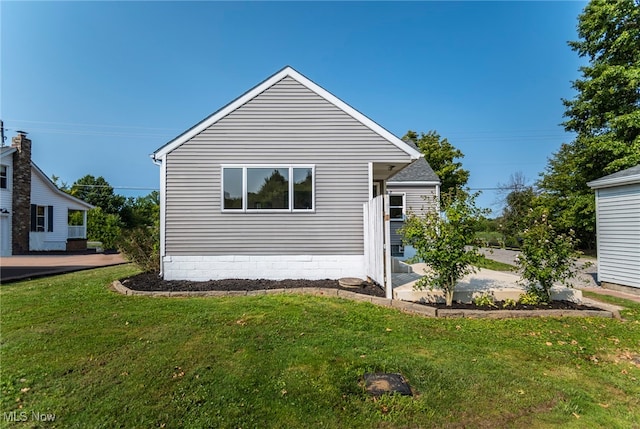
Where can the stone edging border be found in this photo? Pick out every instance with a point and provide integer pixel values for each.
(405, 306)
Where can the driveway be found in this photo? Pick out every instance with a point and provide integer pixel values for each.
(14, 268)
(586, 276)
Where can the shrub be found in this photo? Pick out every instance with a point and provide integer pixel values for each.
(484, 300)
(546, 257)
(446, 243)
(509, 303)
(103, 227)
(533, 297)
(141, 245)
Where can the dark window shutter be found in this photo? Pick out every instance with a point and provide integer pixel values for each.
(50, 218)
(33, 217)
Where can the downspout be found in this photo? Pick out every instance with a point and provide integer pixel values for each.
(162, 165)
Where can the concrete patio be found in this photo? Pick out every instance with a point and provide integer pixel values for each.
(501, 285)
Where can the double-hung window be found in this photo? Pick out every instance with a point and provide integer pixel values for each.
(268, 188)
(41, 218)
(3, 176)
(396, 206)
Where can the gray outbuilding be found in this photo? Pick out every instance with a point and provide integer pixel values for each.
(618, 229)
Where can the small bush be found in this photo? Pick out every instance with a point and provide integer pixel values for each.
(484, 300)
(534, 296)
(509, 303)
(546, 257)
(141, 246)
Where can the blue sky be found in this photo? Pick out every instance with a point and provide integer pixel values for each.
(101, 85)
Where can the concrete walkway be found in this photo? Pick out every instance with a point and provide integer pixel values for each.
(504, 284)
(14, 268)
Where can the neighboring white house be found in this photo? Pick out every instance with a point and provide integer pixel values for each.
(273, 186)
(414, 189)
(34, 213)
(618, 228)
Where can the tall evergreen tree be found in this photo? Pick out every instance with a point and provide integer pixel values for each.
(604, 114)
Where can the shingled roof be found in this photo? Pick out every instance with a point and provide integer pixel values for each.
(418, 171)
(628, 176)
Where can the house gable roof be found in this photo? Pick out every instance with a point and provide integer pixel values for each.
(5, 151)
(312, 86)
(625, 177)
(419, 171)
(36, 170)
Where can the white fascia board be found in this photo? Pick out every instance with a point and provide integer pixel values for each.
(617, 181)
(252, 93)
(7, 152)
(35, 169)
(432, 183)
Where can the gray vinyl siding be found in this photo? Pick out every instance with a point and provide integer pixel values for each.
(415, 203)
(286, 124)
(618, 222)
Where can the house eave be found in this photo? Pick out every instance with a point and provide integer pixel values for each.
(415, 183)
(617, 181)
(35, 169)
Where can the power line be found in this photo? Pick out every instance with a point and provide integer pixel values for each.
(93, 125)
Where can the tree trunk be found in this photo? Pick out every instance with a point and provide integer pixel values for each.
(449, 297)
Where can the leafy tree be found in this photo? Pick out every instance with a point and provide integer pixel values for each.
(441, 156)
(139, 240)
(63, 186)
(141, 211)
(446, 243)
(98, 192)
(103, 227)
(604, 114)
(546, 257)
(518, 198)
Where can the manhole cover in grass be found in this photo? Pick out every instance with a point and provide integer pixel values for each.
(380, 383)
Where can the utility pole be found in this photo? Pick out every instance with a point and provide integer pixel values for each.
(2, 137)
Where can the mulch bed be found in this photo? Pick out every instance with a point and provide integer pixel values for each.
(152, 282)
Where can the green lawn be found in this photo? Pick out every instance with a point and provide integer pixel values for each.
(490, 264)
(71, 347)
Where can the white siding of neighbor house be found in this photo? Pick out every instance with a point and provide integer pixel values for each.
(6, 195)
(43, 195)
(286, 124)
(415, 202)
(618, 223)
(6, 203)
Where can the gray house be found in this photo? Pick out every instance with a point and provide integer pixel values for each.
(273, 186)
(618, 229)
(414, 189)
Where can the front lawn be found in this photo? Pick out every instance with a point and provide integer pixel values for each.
(72, 349)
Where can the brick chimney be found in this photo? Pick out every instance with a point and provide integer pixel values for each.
(21, 213)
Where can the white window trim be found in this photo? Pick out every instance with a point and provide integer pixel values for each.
(45, 223)
(404, 205)
(290, 167)
(7, 176)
